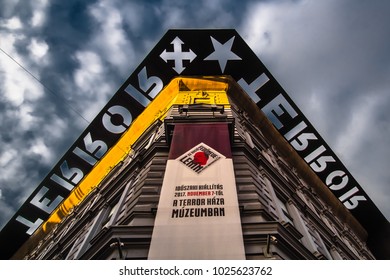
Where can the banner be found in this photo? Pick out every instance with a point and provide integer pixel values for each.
(198, 215)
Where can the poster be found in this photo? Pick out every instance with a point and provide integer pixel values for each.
(198, 215)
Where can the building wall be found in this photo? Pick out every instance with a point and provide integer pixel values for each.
(282, 216)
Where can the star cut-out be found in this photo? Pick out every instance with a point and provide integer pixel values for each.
(222, 52)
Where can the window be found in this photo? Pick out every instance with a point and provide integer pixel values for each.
(109, 218)
(284, 211)
(93, 227)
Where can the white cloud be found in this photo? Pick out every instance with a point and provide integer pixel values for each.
(110, 38)
(13, 92)
(17, 84)
(91, 69)
(11, 162)
(39, 148)
(107, 49)
(39, 54)
(38, 49)
(13, 23)
(55, 128)
(172, 16)
(134, 14)
(39, 13)
(25, 115)
(91, 82)
(7, 156)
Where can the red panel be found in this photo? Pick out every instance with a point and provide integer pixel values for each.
(186, 136)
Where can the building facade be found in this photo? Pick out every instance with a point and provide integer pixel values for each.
(285, 210)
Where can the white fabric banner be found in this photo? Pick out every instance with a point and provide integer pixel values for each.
(198, 215)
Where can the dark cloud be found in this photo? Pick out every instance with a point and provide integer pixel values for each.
(331, 57)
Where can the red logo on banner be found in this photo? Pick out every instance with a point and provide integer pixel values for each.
(200, 157)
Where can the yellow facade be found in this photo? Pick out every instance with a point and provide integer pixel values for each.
(179, 91)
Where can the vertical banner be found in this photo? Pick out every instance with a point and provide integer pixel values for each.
(198, 215)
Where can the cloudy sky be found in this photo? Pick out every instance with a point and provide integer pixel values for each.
(61, 61)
